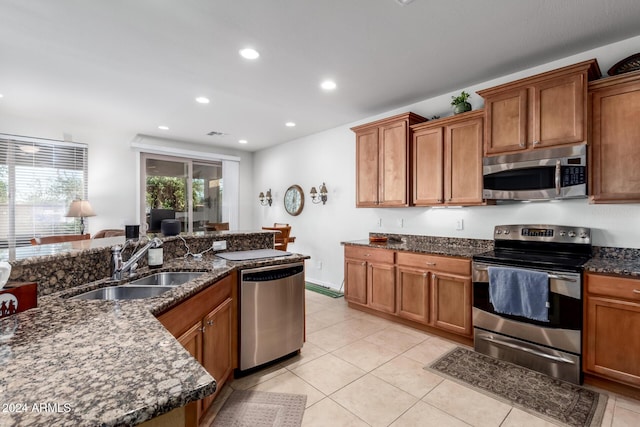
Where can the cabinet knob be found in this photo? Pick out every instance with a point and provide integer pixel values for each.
(202, 329)
(363, 263)
(433, 276)
(521, 144)
(536, 142)
(210, 322)
(367, 255)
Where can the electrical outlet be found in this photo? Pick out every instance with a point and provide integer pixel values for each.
(401, 222)
(220, 245)
(319, 265)
(459, 224)
(379, 222)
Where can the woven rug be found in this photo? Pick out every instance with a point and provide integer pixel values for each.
(248, 408)
(529, 390)
(323, 290)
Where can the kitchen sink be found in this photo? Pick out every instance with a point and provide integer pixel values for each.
(124, 292)
(166, 278)
(144, 287)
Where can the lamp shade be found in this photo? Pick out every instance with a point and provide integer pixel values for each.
(80, 209)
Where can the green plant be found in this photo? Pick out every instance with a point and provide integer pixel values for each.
(460, 99)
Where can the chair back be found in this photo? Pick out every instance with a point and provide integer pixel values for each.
(281, 238)
(44, 240)
(216, 226)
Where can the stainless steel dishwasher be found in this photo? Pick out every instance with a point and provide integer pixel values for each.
(271, 313)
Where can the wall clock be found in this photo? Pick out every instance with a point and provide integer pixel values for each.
(294, 200)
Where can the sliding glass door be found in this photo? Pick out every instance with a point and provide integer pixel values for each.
(183, 189)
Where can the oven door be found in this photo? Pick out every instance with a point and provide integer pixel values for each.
(563, 331)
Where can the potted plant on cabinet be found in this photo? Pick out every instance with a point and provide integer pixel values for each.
(460, 103)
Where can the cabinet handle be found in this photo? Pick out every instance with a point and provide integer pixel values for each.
(433, 276)
(521, 144)
(536, 142)
(367, 255)
(363, 263)
(209, 322)
(202, 329)
(425, 274)
(429, 263)
(636, 291)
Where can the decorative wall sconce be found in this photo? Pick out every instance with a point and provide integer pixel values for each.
(265, 200)
(317, 198)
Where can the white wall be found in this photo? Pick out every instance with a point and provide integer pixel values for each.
(330, 156)
(113, 179)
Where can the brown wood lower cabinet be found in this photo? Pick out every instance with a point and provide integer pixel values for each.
(205, 325)
(429, 290)
(612, 321)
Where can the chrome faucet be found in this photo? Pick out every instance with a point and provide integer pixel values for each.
(120, 267)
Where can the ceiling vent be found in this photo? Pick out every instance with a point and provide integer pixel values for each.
(216, 133)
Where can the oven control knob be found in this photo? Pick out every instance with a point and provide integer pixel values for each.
(563, 233)
(572, 234)
(507, 231)
(498, 231)
(583, 235)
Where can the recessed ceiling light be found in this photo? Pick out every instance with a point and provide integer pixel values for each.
(242, 141)
(1, 95)
(289, 124)
(403, 2)
(249, 53)
(202, 100)
(328, 85)
(163, 127)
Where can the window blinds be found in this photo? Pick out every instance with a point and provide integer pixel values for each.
(38, 180)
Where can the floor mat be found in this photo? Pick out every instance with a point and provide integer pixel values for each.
(249, 408)
(323, 290)
(529, 390)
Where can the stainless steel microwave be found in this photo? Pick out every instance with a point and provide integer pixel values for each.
(542, 174)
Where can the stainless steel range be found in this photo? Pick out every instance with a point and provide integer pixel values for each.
(527, 298)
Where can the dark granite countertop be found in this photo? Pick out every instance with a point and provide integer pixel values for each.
(466, 248)
(619, 261)
(103, 363)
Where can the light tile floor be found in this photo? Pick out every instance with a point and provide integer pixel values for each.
(360, 370)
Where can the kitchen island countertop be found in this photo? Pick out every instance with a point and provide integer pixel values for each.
(103, 363)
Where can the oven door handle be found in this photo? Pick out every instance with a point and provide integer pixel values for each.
(508, 344)
(558, 177)
(551, 276)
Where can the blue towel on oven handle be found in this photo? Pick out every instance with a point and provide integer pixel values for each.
(519, 292)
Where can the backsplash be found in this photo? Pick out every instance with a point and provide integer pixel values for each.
(54, 273)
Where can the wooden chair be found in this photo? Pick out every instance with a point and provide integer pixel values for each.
(216, 226)
(282, 238)
(44, 240)
(109, 232)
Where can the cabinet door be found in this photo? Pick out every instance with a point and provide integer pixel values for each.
(192, 342)
(428, 167)
(382, 287)
(615, 149)
(463, 164)
(413, 294)
(452, 303)
(507, 119)
(367, 167)
(216, 346)
(559, 111)
(612, 339)
(394, 164)
(355, 284)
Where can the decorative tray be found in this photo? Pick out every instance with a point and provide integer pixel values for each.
(631, 63)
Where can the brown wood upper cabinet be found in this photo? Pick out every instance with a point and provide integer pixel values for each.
(615, 132)
(382, 161)
(447, 161)
(544, 110)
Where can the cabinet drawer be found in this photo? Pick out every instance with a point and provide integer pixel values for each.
(369, 254)
(435, 262)
(618, 287)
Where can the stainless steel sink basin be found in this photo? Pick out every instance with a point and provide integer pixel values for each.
(166, 278)
(124, 292)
